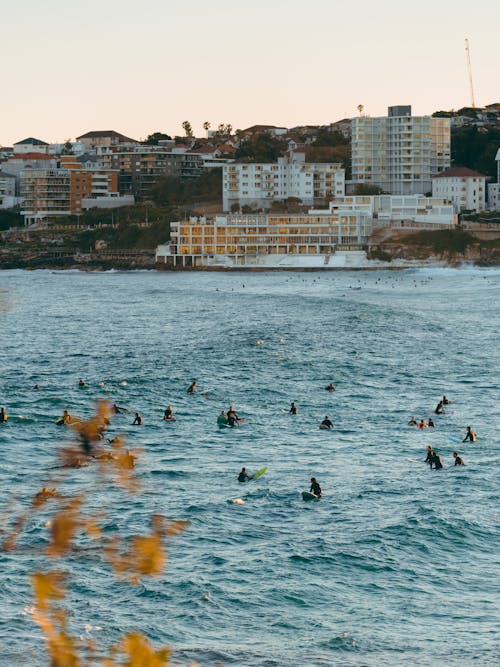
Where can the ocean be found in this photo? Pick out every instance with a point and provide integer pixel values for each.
(397, 564)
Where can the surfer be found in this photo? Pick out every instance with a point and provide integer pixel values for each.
(422, 424)
(470, 435)
(293, 408)
(430, 423)
(222, 418)
(232, 417)
(37, 386)
(117, 409)
(315, 487)
(81, 383)
(430, 456)
(413, 422)
(436, 459)
(439, 408)
(168, 415)
(192, 388)
(137, 420)
(243, 476)
(3, 415)
(445, 401)
(458, 461)
(330, 387)
(326, 423)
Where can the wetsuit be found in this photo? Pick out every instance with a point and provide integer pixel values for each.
(439, 409)
(459, 461)
(470, 436)
(243, 477)
(429, 458)
(137, 421)
(232, 418)
(327, 423)
(316, 489)
(437, 462)
(293, 410)
(169, 413)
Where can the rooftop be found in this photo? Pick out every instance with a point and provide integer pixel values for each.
(96, 134)
(459, 172)
(31, 141)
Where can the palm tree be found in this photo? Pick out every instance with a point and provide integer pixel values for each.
(206, 127)
(186, 126)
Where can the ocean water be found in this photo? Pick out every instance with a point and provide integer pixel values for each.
(395, 565)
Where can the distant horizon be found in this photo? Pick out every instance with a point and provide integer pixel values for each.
(69, 68)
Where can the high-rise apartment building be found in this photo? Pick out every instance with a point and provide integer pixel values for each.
(400, 153)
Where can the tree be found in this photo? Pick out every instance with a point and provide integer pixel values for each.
(188, 130)
(206, 127)
(155, 138)
(67, 149)
(261, 148)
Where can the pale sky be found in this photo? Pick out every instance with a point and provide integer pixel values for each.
(140, 66)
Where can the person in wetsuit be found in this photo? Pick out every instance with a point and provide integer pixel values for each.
(117, 409)
(430, 456)
(430, 423)
(436, 460)
(470, 435)
(293, 408)
(243, 476)
(413, 422)
(168, 414)
(458, 461)
(232, 417)
(137, 420)
(192, 388)
(439, 408)
(222, 418)
(315, 487)
(445, 401)
(330, 387)
(3, 416)
(326, 423)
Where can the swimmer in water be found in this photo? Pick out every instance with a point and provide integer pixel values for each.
(168, 415)
(3, 416)
(439, 408)
(445, 401)
(232, 417)
(117, 409)
(315, 488)
(37, 386)
(430, 423)
(192, 388)
(470, 435)
(243, 476)
(81, 383)
(326, 423)
(330, 387)
(137, 420)
(458, 461)
(422, 424)
(436, 460)
(430, 456)
(222, 418)
(413, 422)
(293, 408)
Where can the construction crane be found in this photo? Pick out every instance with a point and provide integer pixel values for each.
(469, 69)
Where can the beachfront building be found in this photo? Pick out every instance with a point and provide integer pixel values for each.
(494, 188)
(463, 187)
(400, 153)
(321, 238)
(67, 190)
(258, 185)
(7, 190)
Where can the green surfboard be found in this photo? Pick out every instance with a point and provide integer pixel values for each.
(259, 473)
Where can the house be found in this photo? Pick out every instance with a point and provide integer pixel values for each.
(463, 187)
(31, 145)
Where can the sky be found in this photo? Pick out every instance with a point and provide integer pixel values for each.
(141, 66)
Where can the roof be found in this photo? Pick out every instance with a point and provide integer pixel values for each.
(95, 134)
(31, 156)
(31, 141)
(459, 172)
(262, 128)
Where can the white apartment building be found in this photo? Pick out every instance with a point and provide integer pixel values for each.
(400, 153)
(463, 187)
(7, 190)
(259, 185)
(494, 188)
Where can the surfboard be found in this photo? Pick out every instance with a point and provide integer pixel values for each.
(259, 473)
(307, 495)
(169, 419)
(453, 439)
(325, 428)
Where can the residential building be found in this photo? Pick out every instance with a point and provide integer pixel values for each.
(31, 145)
(139, 170)
(465, 188)
(67, 190)
(400, 153)
(7, 190)
(494, 188)
(100, 141)
(258, 185)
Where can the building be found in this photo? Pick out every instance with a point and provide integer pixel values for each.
(465, 188)
(105, 140)
(67, 190)
(259, 185)
(31, 145)
(400, 153)
(8, 197)
(323, 238)
(494, 188)
(140, 169)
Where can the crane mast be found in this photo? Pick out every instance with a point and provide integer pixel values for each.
(469, 70)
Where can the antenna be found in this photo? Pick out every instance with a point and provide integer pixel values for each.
(469, 69)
